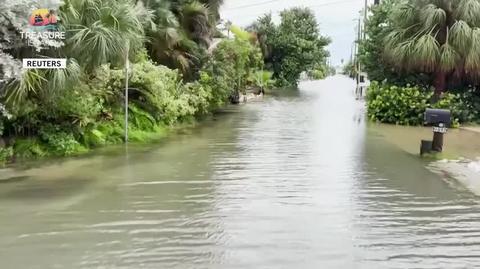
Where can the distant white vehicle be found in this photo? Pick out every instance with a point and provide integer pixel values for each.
(362, 85)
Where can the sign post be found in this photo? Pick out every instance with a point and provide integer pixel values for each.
(126, 92)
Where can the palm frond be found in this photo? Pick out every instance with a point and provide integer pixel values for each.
(196, 22)
(401, 55)
(449, 58)
(472, 62)
(433, 17)
(103, 31)
(460, 36)
(31, 81)
(58, 79)
(468, 10)
(426, 53)
(404, 14)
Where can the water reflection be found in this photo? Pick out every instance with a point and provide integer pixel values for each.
(298, 181)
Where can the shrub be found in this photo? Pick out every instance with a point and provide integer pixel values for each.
(93, 138)
(28, 148)
(158, 90)
(78, 106)
(392, 104)
(463, 106)
(59, 142)
(5, 154)
(262, 79)
(406, 105)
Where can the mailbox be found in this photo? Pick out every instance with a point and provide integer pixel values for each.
(440, 119)
(437, 116)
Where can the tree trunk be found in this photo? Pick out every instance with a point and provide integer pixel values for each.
(440, 82)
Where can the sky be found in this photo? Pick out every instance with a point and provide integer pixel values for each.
(337, 18)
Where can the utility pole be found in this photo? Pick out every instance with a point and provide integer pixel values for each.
(362, 35)
(127, 66)
(365, 11)
(357, 50)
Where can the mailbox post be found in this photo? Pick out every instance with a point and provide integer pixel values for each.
(440, 119)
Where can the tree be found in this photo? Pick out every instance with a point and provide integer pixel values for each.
(371, 50)
(101, 31)
(441, 38)
(265, 30)
(294, 46)
(181, 33)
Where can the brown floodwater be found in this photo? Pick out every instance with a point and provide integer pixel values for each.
(300, 180)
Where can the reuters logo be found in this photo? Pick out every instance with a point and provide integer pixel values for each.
(43, 18)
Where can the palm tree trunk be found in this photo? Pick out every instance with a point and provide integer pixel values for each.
(440, 82)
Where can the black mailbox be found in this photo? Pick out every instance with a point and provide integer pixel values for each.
(437, 116)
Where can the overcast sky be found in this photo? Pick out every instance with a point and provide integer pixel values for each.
(337, 18)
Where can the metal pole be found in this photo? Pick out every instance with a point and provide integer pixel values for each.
(359, 67)
(126, 93)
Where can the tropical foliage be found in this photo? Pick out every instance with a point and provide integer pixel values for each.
(426, 42)
(430, 44)
(177, 73)
(372, 51)
(438, 37)
(406, 105)
(292, 47)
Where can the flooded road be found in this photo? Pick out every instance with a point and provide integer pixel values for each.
(300, 180)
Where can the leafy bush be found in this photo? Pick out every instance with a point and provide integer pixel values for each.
(465, 107)
(240, 33)
(93, 138)
(230, 68)
(5, 154)
(78, 106)
(200, 95)
(392, 104)
(59, 142)
(262, 79)
(406, 106)
(28, 148)
(158, 90)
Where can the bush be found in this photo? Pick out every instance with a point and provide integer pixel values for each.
(230, 69)
(464, 106)
(159, 90)
(392, 104)
(5, 154)
(78, 106)
(28, 148)
(59, 142)
(406, 105)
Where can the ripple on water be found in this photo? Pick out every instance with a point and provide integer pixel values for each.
(295, 182)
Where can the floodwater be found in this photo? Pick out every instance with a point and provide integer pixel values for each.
(300, 180)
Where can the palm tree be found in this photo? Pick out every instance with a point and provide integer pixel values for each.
(97, 32)
(168, 44)
(439, 37)
(101, 31)
(196, 22)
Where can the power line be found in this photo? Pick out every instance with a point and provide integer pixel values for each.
(308, 6)
(272, 1)
(333, 3)
(253, 5)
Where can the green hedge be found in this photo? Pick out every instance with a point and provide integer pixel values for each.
(406, 105)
